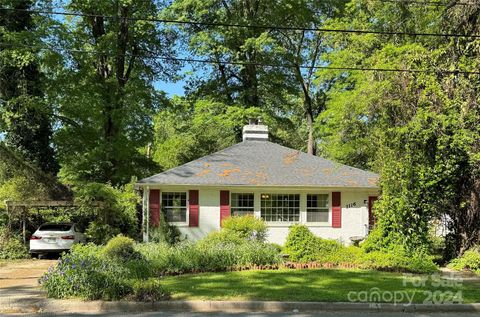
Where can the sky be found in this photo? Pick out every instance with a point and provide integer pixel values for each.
(170, 88)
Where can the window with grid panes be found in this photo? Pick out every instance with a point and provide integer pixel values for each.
(241, 204)
(280, 207)
(174, 204)
(317, 208)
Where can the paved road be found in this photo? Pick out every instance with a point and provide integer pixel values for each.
(325, 314)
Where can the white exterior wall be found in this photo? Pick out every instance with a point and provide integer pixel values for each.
(354, 212)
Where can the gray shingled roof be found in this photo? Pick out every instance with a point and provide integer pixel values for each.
(252, 163)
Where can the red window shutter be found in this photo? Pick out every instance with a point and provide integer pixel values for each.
(154, 205)
(336, 210)
(193, 208)
(224, 205)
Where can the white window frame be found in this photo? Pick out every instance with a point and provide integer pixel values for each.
(187, 207)
(328, 207)
(242, 193)
(281, 223)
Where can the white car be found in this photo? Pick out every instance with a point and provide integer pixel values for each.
(55, 238)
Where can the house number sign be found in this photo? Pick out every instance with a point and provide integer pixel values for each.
(351, 205)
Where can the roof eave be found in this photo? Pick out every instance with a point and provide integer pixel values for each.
(140, 185)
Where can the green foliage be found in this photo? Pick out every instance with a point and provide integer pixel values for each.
(120, 248)
(304, 246)
(11, 246)
(246, 227)
(301, 244)
(104, 272)
(83, 273)
(470, 260)
(399, 259)
(418, 130)
(25, 117)
(207, 256)
(150, 290)
(107, 211)
(107, 114)
(222, 237)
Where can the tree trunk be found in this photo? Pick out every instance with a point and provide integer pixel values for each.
(311, 144)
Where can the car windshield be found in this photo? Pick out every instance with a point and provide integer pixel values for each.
(55, 227)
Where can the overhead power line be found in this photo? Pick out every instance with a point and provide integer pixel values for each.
(431, 3)
(254, 26)
(240, 63)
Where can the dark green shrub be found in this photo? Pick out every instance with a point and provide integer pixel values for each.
(470, 260)
(120, 248)
(83, 273)
(301, 244)
(11, 246)
(246, 227)
(150, 290)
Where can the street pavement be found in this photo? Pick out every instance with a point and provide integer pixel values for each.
(321, 314)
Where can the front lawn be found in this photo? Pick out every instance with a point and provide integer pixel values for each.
(307, 285)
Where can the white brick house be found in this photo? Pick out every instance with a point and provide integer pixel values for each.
(278, 184)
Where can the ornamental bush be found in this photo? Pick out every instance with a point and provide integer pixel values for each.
(246, 227)
(120, 248)
(303, 246)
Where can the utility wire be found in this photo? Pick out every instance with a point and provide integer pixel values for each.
(221, 24)
(237, 63)
(430, 3)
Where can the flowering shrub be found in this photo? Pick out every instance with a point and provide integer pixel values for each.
(84, 274)
(96, 272)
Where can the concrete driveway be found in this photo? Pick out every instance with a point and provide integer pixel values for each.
(19, 280)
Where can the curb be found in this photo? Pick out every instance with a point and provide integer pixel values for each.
(56, 306)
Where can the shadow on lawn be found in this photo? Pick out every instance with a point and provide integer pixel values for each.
(297, 285)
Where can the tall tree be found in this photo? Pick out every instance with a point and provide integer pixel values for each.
(419, 130)
(302, 51)
(245, 82)
(26, 118)
(105, 89)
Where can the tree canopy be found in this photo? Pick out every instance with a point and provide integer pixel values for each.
(390, 87)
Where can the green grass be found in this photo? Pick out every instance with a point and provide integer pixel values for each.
(305, 285)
